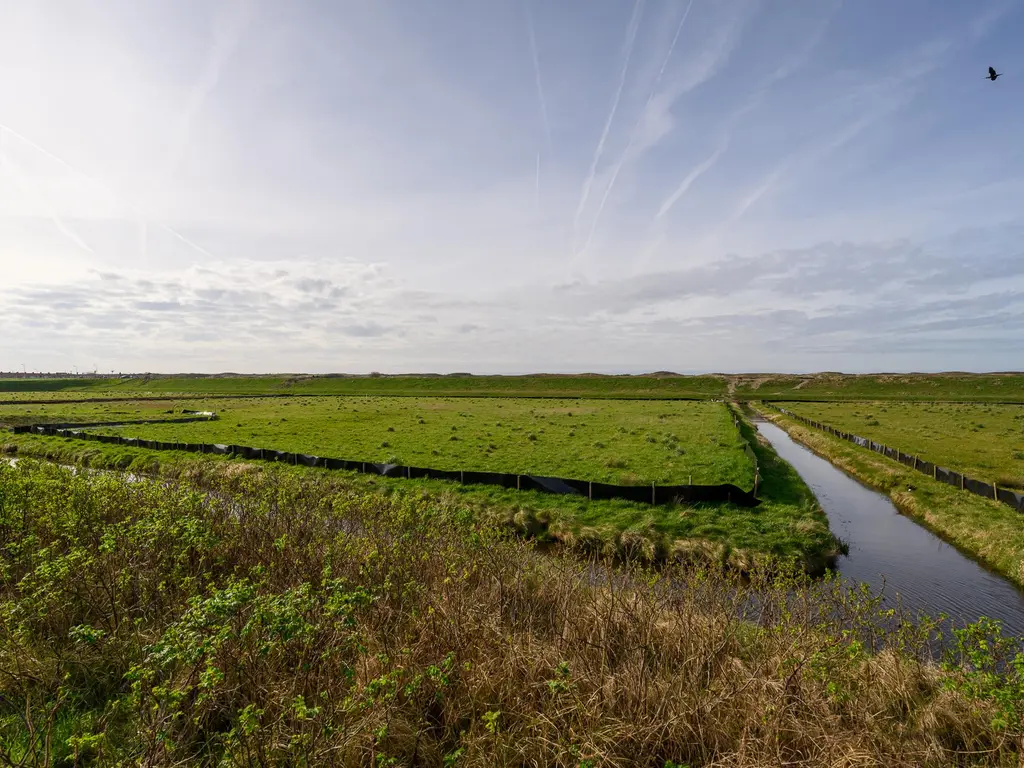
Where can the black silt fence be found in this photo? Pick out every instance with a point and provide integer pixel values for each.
(650, 494)
(942, 474)
(1013, 498)
(747, 448)
(500, 479)
(121, 423)
(979, 488)
(637, 493)
(546, 484)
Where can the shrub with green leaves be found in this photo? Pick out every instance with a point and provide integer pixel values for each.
(263, 617)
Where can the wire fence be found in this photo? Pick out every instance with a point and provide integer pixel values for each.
(942, 474)
(645, 494)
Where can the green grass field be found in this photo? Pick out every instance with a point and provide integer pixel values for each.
(788, 524)
(56, 396)
(624, 442)
(983, 441)
(968, 387)
(34, 413)
(656, 387)
(612, 441)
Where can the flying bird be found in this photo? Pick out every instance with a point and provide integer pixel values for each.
(992, 74)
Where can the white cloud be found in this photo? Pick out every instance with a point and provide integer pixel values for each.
(328, 187)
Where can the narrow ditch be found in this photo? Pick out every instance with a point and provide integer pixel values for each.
(895, 555)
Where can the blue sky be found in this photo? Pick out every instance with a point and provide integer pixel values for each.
(510, 187)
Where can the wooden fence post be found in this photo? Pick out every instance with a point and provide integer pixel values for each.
(652, 493)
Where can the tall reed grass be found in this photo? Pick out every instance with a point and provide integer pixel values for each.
(265, 618)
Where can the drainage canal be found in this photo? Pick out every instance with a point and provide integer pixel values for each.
(888, 549)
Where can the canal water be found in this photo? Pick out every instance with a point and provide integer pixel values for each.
(895, 555)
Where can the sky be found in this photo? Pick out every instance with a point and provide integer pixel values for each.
(511, 187)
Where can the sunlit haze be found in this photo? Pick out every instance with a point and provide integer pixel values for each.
(511, 187)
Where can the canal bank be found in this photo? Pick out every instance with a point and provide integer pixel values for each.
(888, 550)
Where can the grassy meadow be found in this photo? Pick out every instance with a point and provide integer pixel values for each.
(132, 410)
(55, 396)
(623, 442)
(616, 441)
(266, 617)
(656, 387)
(205, 610)
(953, 387)
(983, 441)
(925, 387)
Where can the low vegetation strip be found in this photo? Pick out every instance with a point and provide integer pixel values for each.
(950, 387)
(668, 386)
(941, 474)
(919, 387)
(115, 423)
(274, 620)
(987, 530)
(674, 494)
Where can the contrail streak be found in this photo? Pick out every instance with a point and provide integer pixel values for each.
(537, 187)
(537, 77)
(83, 174)
(28, 186)
(227, 34)
(634, 24)
(671, 48)
(691, 177)
(632, 133)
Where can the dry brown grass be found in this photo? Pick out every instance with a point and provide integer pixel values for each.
(273, 620)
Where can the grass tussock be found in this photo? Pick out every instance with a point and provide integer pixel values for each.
(271, 619)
